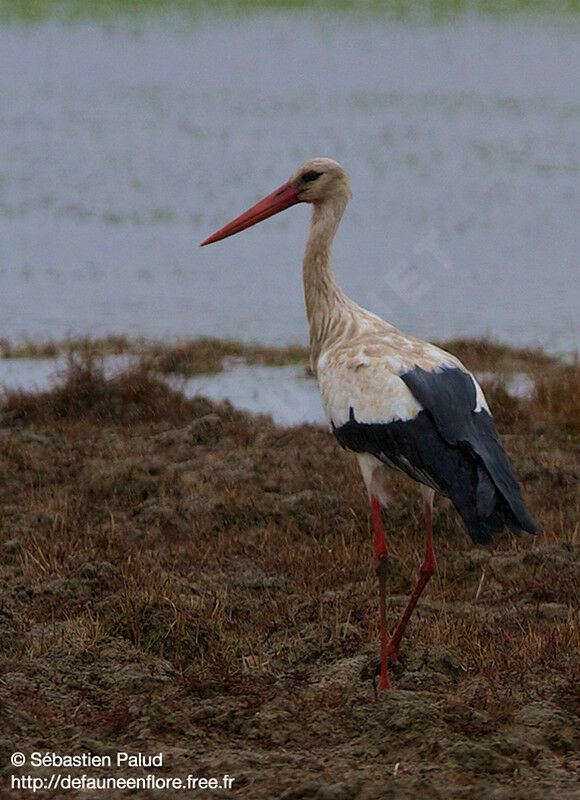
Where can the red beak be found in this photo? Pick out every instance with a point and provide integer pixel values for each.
(285, 196)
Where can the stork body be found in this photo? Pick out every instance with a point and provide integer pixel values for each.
(396, 401)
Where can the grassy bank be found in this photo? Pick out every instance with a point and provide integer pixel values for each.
(184, 577)
(207, 354)
(420, 10)
(553, 381)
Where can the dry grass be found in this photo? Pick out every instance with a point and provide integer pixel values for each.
(556, 399)
(491, 356)
(28, 349)
(181, 573)
(208, 355)
(187, 357)
(108, 345)
(86, 394)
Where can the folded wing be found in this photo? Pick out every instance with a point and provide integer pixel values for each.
(441, 435)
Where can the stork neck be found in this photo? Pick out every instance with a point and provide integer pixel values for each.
(325, 300)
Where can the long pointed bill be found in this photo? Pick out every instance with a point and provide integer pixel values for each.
(285, 196)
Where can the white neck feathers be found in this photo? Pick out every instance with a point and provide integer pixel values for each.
(326, 303)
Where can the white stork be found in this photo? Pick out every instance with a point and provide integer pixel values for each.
(396, 401)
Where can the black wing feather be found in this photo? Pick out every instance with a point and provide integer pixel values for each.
(451, 448)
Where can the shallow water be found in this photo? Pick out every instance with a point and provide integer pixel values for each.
(40, 374)
(285, 393)
(128, 144)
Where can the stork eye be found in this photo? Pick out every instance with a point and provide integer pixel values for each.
(311, 176)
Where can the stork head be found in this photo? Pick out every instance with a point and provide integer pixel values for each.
(321, 180)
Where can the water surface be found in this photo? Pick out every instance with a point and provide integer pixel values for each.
(126, 145)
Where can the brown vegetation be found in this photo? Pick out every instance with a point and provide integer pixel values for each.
(489, 355)
(181, 576)
(207, 355)
(187, 357)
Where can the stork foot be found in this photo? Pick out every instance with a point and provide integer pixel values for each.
(374, 670)
(384, 683)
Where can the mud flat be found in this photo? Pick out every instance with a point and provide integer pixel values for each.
(181, 577)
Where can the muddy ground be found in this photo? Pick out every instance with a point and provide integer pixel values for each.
(184, 578)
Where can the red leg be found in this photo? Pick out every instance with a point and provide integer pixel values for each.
(381, 564)
(427, 569)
